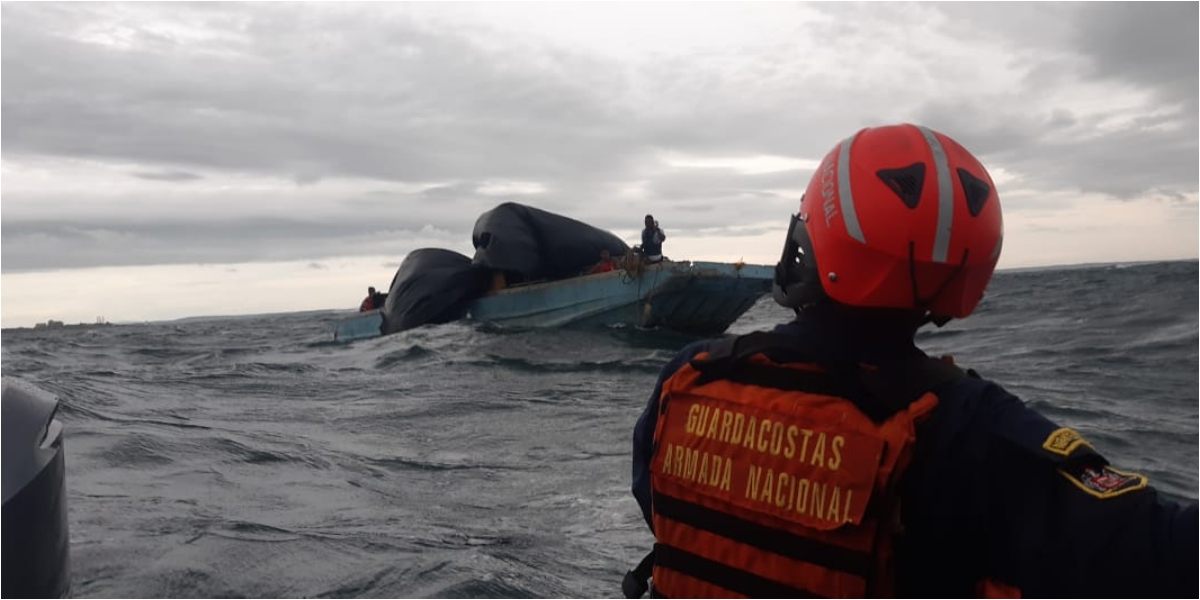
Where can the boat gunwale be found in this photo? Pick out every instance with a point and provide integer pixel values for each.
(674, 268)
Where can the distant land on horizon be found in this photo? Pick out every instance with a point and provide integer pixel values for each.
(196, 319)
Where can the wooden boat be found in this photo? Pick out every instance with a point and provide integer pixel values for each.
(702, 298)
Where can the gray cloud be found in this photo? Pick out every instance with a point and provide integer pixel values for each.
(379, 99)
(1148, 43)
(375, 222)
(1147, 46)
(35, 245)
(316, 94)
(1063, 151)
(178, 176)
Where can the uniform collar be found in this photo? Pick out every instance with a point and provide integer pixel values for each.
(836, 332)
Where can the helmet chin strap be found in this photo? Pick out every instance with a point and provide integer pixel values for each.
(918, 301)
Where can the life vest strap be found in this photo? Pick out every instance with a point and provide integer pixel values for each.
(637, 582)
(765, 538)
(842, 381)
(734, 580)
(879, 392)
(741, 347)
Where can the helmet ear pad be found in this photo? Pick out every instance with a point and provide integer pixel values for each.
(797, 283)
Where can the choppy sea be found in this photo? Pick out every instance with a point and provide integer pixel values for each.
(255, 457)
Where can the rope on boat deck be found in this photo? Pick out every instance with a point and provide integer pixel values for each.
(634, 268)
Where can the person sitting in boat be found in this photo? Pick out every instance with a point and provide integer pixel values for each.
(373, 300)
(605, 265)
(652, 239)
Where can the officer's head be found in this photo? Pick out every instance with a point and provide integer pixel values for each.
(895, 217)
(649, 221)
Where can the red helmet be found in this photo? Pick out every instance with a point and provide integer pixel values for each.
(895, 217)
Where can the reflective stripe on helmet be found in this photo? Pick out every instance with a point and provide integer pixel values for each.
(844, 195)
(945, 220)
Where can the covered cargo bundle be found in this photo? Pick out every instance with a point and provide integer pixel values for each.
(432, 285)
(530, 244)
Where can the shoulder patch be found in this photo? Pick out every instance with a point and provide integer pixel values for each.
(1103, 481)
(1064, 441)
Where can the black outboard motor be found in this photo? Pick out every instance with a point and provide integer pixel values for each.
(36, 543)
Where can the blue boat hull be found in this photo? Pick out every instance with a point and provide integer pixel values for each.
(358, 326)
(700, 298)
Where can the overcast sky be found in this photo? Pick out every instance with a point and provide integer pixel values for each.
(170, 160)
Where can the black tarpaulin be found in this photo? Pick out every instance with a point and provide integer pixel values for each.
(530, 244)
(432, 285)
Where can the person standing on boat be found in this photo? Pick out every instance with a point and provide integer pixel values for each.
(831, 457)
(652, 239)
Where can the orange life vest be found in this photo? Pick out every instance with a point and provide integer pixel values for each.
(780, 479)
(603, 267)
(368, 303)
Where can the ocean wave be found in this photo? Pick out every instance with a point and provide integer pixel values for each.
(255, 457)
(409, 354)
(526, 365)
(141, 450)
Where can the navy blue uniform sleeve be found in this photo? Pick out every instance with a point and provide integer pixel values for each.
(643, 431)
(1003, 492)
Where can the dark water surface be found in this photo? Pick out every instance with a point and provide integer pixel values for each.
(254, 457)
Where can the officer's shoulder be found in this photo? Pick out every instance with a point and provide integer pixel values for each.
(686, 354)
(986, 403)
(1079, 463)
(693, 349)
(1026, 431)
